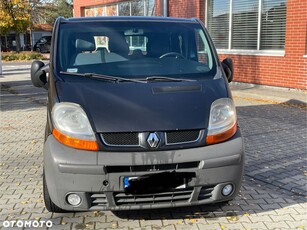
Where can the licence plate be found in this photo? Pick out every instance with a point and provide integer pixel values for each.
(157, 182)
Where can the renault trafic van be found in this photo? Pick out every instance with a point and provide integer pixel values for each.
(139, 116)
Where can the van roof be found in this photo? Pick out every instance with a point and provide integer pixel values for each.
(130, 18)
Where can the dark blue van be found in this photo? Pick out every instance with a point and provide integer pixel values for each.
(140, 116)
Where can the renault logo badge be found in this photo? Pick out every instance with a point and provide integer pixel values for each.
(153, 140)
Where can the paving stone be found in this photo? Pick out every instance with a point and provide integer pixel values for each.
(277, 218)
(209, 227)
(61, 226)
(100, 219)
(259, 225)
(275, 200)
(72, 219)
(174, 221)
(279, 225)
(297, 225)
(113, 225)
(129, 224)
(142, 228)
(185, 227)
(299, 217)
(270, 206)
(77, 225)
(256, 219)
(155, 223)
(232, 226)
(287, 210)
(168, 227)
(275, 144)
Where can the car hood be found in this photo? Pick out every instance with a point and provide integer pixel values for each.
(138, 107)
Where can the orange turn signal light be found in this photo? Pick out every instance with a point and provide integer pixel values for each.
(74, 142)
(222, 136)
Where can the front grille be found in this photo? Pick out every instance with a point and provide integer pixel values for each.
(181, 137)
(120, 139)
(144, 168)
(136, 139)
(205, 193)
(158, 198)
(99, 200)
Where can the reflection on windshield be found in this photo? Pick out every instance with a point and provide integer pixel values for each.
(136, 49)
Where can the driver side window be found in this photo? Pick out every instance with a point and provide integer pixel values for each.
(203, 49)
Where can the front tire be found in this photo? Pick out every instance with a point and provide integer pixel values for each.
(50, 206)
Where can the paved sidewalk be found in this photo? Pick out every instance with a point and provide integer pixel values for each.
(273, 195)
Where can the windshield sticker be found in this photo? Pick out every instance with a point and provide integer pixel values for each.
(72, 70)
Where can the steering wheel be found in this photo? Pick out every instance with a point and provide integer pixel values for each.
(172, 54)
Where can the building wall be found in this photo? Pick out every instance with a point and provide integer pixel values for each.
(289, 70)
(187, 8)
(79, 5)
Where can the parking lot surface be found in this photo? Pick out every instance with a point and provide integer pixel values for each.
(273, 194)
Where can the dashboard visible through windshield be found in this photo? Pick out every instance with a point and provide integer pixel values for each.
(135, 49)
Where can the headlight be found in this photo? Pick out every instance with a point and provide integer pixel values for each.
(222, 121)
(72, 127)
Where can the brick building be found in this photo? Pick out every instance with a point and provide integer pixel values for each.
(267, 39)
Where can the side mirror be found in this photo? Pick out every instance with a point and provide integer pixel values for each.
(39, 74)
(227, 65)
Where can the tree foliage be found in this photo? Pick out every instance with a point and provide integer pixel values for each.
(46, 11)
(18, 15)
(14, 15)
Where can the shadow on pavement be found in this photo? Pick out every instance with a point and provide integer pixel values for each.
(20, 95)
(275, 142)
(275, 170)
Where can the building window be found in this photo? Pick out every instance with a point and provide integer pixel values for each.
(126, 8)
(218, 22)
(247, 24)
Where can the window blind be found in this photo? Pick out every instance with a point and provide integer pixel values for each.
(273, 24)
(245, 24)
(251, 20)
(218, 22)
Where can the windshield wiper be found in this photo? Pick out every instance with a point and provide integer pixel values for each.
(161, 78)
(102, 76)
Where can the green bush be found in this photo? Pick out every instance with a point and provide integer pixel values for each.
(21, 56)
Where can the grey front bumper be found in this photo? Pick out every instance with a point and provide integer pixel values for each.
(88, 174)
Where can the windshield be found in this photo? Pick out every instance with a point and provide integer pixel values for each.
(136, 49)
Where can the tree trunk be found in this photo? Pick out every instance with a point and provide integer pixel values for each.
(31, 42)
(6, 46)
(17, 37)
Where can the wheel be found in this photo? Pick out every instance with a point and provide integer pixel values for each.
(50, 206)
(38, 50)
(172, 54)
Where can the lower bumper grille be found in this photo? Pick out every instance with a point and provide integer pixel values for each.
(205, 193)
(99, 200)
(168, 197)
